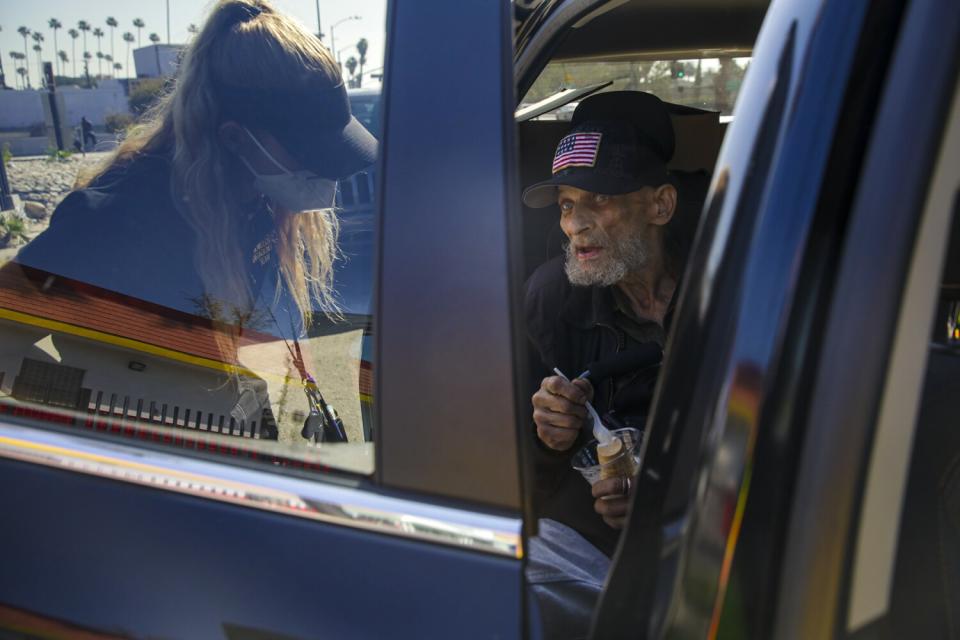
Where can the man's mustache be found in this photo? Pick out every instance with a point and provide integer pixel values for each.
(583, 243)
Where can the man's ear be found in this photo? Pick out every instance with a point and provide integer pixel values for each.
(665, 199)
(232, 136)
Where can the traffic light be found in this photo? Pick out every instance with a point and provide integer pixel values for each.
(676, 70)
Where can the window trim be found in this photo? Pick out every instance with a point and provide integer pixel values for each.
(886, 482)
(446, 407)
(323, 502)
(812, 597)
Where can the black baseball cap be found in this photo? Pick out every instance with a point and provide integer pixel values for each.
(618, 142)
(313, 123)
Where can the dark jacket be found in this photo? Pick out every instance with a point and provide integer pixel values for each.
(570, 328)
(124, 234)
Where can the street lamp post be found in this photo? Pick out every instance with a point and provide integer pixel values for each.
(339, 51)
(333, 47)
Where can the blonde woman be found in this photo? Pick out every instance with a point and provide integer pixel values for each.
(220, 202)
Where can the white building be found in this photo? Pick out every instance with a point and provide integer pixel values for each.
(157, 60)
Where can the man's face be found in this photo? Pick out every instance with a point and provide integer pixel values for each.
(609, 235)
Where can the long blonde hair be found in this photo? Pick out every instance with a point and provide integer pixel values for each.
(243, 43)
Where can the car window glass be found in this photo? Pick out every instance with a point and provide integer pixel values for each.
(705, 83)
(193, 268)
(578, 317)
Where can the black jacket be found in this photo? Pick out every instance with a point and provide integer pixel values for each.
(123, 233)
(571, 327)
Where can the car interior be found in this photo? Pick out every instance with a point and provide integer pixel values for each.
(692, 54)
(613, 42)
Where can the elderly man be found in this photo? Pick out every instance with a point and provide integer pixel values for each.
(610, 293)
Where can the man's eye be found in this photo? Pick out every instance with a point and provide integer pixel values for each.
(566, 205)
(601, 198)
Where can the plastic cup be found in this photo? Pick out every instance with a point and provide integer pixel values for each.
(588, 464)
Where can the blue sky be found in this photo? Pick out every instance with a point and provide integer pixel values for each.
(34, 14)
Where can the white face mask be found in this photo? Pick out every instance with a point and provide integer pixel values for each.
(292, 190)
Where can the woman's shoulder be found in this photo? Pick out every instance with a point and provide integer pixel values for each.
(129, 200)
(122, 232)
(131, 189)
(144, 178)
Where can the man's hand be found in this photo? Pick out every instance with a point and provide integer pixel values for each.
(559, 410)
(612, 499)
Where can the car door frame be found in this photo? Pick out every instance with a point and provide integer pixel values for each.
(759, 399)
(167, 545)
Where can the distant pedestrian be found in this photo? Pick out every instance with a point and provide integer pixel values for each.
(88, 137)
(78, 141)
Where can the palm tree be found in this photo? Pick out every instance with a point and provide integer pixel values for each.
(128, 38)
(15, 56)
(23, 31)
(84, 26)
(193, 29)
(55, 24)
(23, 74)
(112, 23)
(351, 65)
(86, 68)
(74, 34)
(16, 78)
(98, 34)
(139, 24)
(362, 50)
(99, 64)
(116, 67)
(62, 56)
(39, 49)
(38, 38)
(155, 39)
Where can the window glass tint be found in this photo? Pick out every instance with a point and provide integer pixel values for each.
(926, 586)
(206, 283)
(705, 83)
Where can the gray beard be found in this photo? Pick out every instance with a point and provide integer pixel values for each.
(619, 259)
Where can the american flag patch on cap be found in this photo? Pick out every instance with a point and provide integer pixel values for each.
(577, 150)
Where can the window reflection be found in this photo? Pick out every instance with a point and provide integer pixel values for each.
(208, 285)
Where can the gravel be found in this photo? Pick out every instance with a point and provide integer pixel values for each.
(46, 181)
(41, 183)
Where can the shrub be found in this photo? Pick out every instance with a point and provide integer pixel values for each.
(118, 122)
(13, 224)
(56, 155)
(7, 154)
(145, 93)
(12, 230)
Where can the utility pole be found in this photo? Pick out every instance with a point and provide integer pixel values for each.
(6, 195)
(54, 111)
(319, 28)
